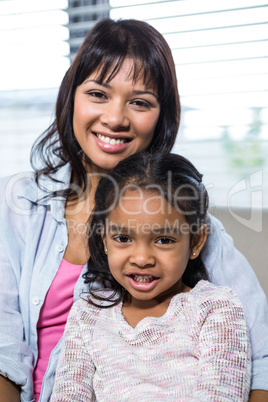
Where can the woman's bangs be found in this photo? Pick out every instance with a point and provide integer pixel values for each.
(110, 67)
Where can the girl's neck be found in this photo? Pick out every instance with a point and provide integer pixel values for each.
(135, 310)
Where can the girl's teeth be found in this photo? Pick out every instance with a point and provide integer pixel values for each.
(143, 278)
(111, 141)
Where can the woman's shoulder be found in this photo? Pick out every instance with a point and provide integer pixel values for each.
(20, 179)
(22, 188)
(15, 189)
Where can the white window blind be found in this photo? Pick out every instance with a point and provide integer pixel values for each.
(83, 14)
(220, 51)
(34, 58)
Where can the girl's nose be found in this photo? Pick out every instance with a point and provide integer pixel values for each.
(115, 116)
(142, 257)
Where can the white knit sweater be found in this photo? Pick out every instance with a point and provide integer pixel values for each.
(197, 351)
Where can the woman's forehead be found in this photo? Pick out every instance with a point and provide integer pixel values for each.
(133, 69)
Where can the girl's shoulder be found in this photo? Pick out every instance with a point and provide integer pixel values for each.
(206, 298)
(207, 292)
(83, 308)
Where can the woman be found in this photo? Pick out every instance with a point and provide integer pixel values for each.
(118, 97)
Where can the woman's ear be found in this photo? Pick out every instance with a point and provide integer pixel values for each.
(198, 242)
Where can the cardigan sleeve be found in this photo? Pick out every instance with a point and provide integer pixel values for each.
(16, 357)
(225, 356)
(75, 370)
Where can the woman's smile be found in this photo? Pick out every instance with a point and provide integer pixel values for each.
(113, 120)
(111, 143)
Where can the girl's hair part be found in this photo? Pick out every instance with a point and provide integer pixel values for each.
(173, 177)
(103, 51)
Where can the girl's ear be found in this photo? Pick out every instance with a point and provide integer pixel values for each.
(104, 244)
(198, 242)
(104, 239)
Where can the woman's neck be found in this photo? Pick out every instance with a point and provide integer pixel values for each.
(77, 214)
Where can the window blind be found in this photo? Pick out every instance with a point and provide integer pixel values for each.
(220, 51)
(34, 58)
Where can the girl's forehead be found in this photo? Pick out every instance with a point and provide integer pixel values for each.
(135, 201)
(145, 212)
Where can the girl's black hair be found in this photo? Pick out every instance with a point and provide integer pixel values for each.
(173, 177)
(104, 50)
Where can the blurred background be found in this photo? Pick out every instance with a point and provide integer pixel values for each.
(220, 50)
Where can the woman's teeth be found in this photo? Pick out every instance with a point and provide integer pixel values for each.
(111, 141)
(143, 278)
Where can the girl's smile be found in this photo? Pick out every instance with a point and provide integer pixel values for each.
(148, 260)
(114, 119)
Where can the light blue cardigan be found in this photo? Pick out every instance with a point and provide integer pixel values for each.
(33, 238)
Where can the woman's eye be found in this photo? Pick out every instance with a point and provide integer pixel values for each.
(97, 95)
(141, 103)
(165, 240)
(122, 239)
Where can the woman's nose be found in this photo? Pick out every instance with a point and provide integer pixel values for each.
(142, 257)
(115, 116)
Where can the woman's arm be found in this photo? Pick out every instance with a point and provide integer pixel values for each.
(227, 266)
(9, 391)
(16, 357)
(225, 355)
(258, 395)
(75, 370)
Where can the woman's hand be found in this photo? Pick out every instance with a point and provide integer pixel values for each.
(9, 391)
(258, 395)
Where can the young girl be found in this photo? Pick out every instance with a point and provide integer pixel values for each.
(153, 329)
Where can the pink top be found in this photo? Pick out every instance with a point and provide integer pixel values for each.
(53, 317)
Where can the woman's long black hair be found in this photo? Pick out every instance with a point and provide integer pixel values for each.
(171, 175)
(104, 50)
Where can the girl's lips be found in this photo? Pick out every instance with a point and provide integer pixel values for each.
(110, 144)
(148, 282)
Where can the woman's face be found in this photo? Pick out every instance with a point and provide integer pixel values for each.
(113, 120)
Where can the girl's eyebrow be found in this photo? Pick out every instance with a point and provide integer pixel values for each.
(155, 230)
(135, 92)
(167, 230)
(118, 228)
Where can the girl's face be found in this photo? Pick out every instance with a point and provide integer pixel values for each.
(113, 120)
(148, 247)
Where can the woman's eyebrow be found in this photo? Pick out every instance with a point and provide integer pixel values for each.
(143, 92)
(135, 92)
(104, 84)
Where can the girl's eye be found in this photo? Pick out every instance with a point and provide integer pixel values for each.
(165, 240)
(122, 239)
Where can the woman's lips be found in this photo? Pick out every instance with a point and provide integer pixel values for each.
(111, 144)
